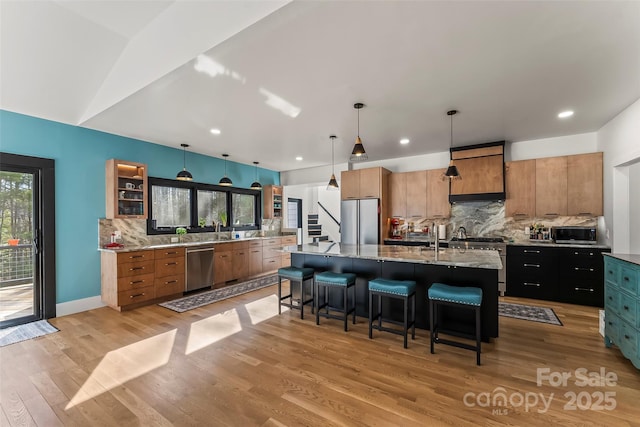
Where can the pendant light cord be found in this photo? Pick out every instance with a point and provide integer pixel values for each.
(184, 158)
(333, 172)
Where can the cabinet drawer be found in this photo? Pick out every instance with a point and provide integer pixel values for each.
(272, 251)
(135, 282)
(169, 267)
(612, 327)
(271, 264)
(530, 289)
(628, 340)
(628, 308)
(169, 253)
(126, 257)
(272, 241)
(629, 279)
(255, 243)
(611, 299)
(128, 269)
(286, 260)
(582, 293)
(133, 296)
(169, 285)
(530, 251)
(611, 271)
(289, 240)
(224, 247)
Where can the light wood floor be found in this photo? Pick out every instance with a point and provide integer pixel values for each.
(238, 363)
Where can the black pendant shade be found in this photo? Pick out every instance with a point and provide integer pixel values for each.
(358, 154)
(184, 174)
(452, 171)
(225, 180)
(333, 184)
(256, 185)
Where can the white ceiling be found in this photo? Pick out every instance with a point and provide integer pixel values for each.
(168, 71)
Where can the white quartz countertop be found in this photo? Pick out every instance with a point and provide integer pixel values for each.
(133, 248)
(412, 254)
(632, 258)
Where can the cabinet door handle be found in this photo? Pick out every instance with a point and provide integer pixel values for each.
(136, 268)
(136, 256)
(626, 279)
(584, 289)
(626, 337)
(170, 253)
(171, 263)
(610, 298)
(531, 265)
(170, 281)
(610, 323)
(551, 214)
(519, 214)
(610, 272)
(135, 282)
(527, 251)
(582, 268)
(137, 295)
(626, 307)
(537, 285)
(584, 213)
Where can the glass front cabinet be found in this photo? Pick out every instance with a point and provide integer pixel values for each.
(126, 189)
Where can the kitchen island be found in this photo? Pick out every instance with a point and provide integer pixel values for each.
(456, 267)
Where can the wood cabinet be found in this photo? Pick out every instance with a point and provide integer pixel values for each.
(520, 179)
(272, 256)
(240, 260)
(222, 265)
(272, 201)
(482, 172)
(551, 187)
(133, 279)
(255, 257)
(584, 184)
(438, 205)
(363, 183)
(398, 195)
(417, 194)
(126, 189)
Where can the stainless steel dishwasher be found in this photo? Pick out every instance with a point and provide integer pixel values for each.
(199, 269)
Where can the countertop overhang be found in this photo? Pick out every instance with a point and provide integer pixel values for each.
(188, 244)
(418, 255)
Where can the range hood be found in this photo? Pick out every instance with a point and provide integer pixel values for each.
(482, 169)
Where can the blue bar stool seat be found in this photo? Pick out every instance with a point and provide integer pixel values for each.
(295, 275)
(400, 289)
(328, 279)
(456, 296)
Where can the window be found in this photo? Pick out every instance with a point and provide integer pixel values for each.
(200, 207)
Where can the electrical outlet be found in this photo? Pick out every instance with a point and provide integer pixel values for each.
(174, 240)
(117, 234)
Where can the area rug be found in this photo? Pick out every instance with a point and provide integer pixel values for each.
(24, 332)
(198, 300)
(529, 312)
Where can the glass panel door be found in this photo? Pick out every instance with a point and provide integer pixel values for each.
(20, 288)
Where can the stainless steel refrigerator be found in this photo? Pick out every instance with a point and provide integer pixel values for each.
(360, 222)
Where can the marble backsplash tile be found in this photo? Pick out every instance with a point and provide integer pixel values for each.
(486, 219)
(134, 232)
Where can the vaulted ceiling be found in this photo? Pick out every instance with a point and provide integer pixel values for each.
(278, 77)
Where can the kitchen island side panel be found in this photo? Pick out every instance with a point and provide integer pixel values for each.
(424, 275)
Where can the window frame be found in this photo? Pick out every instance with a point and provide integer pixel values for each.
(193, 188)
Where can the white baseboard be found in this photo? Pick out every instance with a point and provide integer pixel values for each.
(78, 305)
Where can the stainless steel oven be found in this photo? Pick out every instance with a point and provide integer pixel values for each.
(487, 244)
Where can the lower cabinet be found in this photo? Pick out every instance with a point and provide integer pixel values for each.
(571, 275)
(622, 306)
(133, 279)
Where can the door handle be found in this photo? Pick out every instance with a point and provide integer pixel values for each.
(537, 285)
(526, 251)
(532, 265)
(585, 290)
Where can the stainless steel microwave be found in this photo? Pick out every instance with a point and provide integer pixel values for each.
(574, 235)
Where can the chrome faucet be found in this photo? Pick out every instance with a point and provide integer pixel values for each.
(462, 233)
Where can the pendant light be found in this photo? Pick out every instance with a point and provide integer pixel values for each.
(333, 184)
(184, 174)
(256, 185)
(452, 171)
(358, 154)
(225, 180)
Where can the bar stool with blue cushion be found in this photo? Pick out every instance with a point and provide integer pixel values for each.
(400, 289)
(295, 275)
(328, 279)
(456, 296)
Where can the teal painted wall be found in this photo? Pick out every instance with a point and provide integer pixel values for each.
(80, 155)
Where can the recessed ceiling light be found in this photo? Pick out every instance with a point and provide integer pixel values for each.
(404, 141)
(299, 158)
(565, 114)
(215, 131)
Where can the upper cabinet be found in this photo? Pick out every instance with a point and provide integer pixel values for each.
(398, 195)
(584, 184)
(438, 205)
(126, 189)
(520, 179)
(417, 194)
(551, 186)
(272, 201)
(363, 183)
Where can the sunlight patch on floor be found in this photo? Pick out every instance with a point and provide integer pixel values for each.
(212, 329)
(124, 364)
(263, 309)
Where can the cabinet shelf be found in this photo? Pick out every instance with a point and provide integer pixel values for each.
(119, 204)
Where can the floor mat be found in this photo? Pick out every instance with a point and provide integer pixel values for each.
(24, 332)
(529, 312)
(198, 300)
